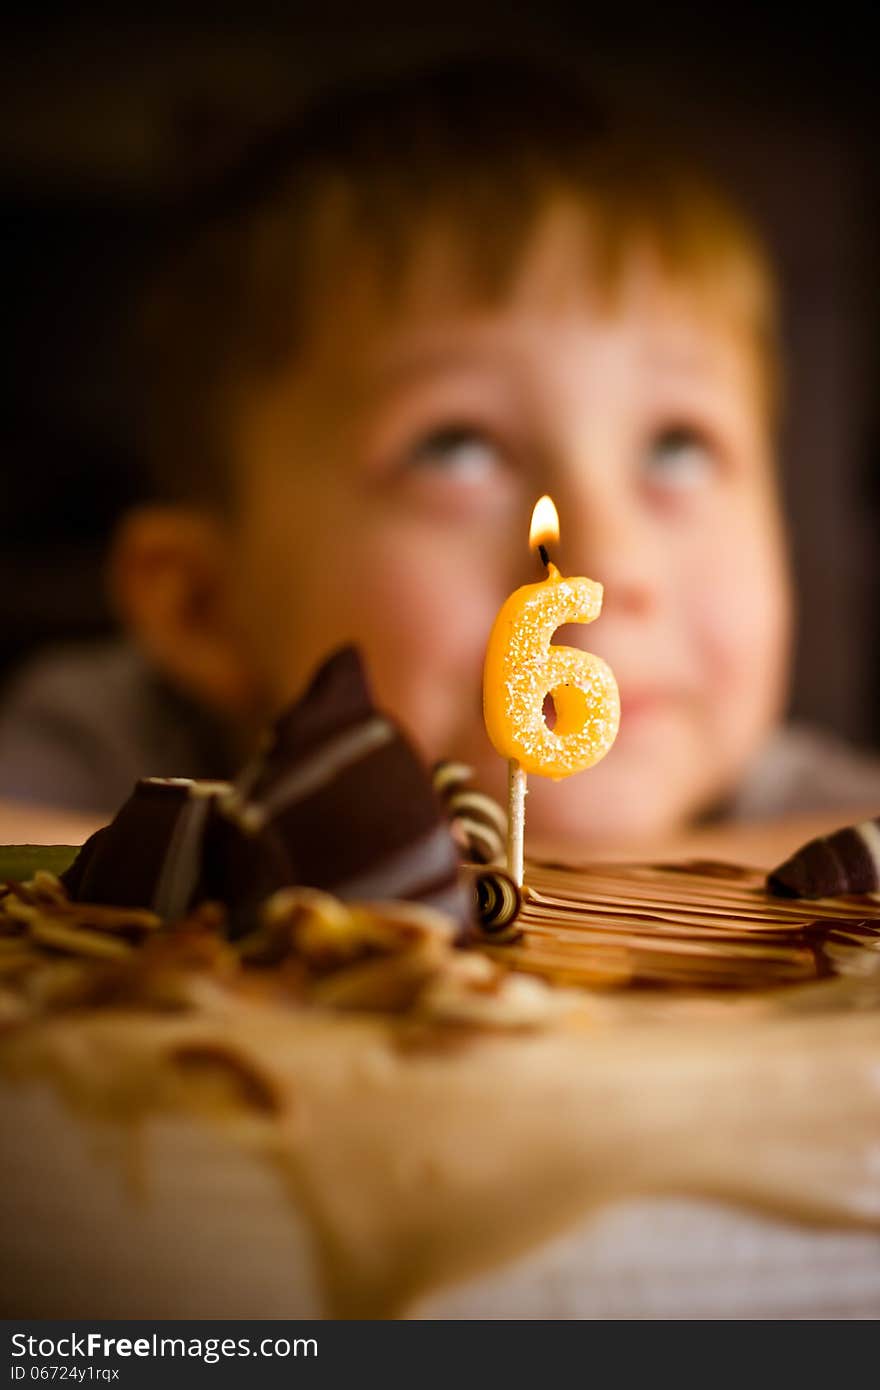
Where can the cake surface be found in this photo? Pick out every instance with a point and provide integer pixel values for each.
(692, 926)
(350, 1119)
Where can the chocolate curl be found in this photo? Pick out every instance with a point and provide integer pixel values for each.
(832, 866)
(497, 904)
(479, 825)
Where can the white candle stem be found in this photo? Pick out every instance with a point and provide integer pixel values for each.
(516, 820)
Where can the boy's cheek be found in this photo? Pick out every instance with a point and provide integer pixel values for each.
(421, 618)
(741, 622)
(424, 628)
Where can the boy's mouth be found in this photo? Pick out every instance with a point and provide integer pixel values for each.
(641, 708)
(644, 702)
(634, 708)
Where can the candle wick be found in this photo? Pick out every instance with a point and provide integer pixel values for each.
(545, 558)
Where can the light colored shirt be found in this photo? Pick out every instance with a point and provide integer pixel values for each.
(80, 725)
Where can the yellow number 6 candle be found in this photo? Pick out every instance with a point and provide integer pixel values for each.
(523, 666)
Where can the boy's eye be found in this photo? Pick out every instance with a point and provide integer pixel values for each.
(679, 459)
(459, 451)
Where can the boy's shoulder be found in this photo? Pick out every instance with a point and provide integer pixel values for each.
(802, 768)
(79, 725)
(76, 671)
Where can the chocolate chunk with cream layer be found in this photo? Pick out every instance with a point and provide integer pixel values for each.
(832, 866)
(336, 799)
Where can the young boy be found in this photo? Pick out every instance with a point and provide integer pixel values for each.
(423, 308)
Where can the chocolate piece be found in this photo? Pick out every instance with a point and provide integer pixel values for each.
(337, 799)
(340, 801)
(479, 825)
(151, 853)
(832, 866)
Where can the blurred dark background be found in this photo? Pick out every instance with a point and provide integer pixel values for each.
(103, 116)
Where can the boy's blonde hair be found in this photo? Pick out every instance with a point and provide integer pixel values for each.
(476, 149)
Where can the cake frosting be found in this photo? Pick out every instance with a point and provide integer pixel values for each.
(433, 1112)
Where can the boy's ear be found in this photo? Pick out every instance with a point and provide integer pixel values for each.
(170, 581)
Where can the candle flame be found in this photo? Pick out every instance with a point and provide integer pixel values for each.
(545, 523)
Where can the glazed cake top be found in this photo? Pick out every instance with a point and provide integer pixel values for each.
(691, 926)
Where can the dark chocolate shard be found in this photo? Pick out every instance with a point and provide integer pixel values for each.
(349, 808)
(832, 866)
(337, 698)
(151, 853)
(336, 799)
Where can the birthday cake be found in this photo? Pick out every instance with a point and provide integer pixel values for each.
(298, 1046)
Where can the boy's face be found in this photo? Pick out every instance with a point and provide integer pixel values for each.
(385, 495)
